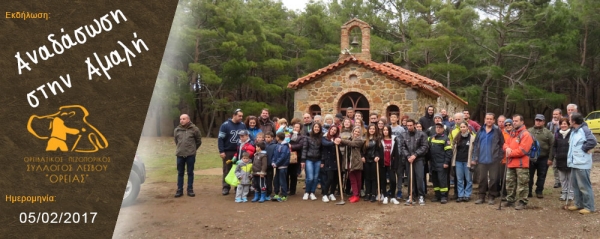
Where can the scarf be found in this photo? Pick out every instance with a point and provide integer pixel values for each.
(564, 132)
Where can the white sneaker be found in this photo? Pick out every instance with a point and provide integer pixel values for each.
(394, 201)
(377, 198)
(305, 197)
(421, 201)
(385, 200)
(331, 197)
(313, 197)
(325, 199)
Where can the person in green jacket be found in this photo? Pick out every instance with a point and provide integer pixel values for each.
(546, 140)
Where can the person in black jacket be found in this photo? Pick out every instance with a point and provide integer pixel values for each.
(414, 147)
(298, 145)
(560, 152)
(311, 160)
(440, 154)
(330, 164)
(391, 162)
(427, 120)
(370, 158)
(271, 144)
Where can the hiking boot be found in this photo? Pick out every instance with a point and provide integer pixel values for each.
(421, 201)
(190, 192)
(479, 201)
(367, 197)
(508, 204)
(373, 198)
(520, 205)
(557, 185)
(179, 193)
(459, 199)
(491, 201)
(225, 191)
(435, 199)
(573, 208)
(444, 200)
(539, 195)
(584, 211)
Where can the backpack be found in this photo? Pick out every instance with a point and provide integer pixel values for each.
(534, 151)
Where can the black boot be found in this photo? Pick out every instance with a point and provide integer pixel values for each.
(179, 193)
(190, 192)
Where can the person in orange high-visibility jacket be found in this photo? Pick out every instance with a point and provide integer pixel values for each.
(517, 177)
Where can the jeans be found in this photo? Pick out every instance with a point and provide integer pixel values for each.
(465, 182)
(418, 179)
(181, 164)
(541, 166)
(582, 188)
(312, 173)
(280, 182)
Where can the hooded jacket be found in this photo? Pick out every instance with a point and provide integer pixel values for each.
(496, 150)
(188, 139)
(520, 143)
(354, 161)
(580, 143)
(427, 120)
(415, 143)
(253, 132)
(245, 147)
(228, 138)
(259, 164)
(244, 172)
(281, 156)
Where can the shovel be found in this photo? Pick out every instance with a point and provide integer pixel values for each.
(337, 155)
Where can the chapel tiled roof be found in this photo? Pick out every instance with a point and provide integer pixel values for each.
(390, 70)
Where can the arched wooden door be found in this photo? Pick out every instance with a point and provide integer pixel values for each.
(355, 100)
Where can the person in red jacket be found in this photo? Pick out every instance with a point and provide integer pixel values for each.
(517, 177)
(244, 145)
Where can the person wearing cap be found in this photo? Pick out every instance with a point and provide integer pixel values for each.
(227, 143)
(439, 157)
(244, 145)
(545, 138)
(187, 141)
(487, 155)
(437, 118)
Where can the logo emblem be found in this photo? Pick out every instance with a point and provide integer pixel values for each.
(64, 130)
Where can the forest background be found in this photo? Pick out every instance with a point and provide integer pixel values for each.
(506, 57)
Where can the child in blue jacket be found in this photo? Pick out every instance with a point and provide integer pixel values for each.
(281, 160)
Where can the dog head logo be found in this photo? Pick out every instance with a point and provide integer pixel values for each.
(64, 130)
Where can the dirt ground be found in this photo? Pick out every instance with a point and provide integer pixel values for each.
(157, 214)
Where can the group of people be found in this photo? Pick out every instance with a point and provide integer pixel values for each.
(375, 160)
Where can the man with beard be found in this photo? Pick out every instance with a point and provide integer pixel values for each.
(427, 120)
(415, 147)
(266, 125)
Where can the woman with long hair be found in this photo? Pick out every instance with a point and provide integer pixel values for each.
(461, 160)
(311, 160)
(370, 158)
(330, 164)
(298, 144)
(354, 165)
(391, 162)
(252, 126)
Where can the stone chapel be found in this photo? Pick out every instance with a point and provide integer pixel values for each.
(357, 81)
